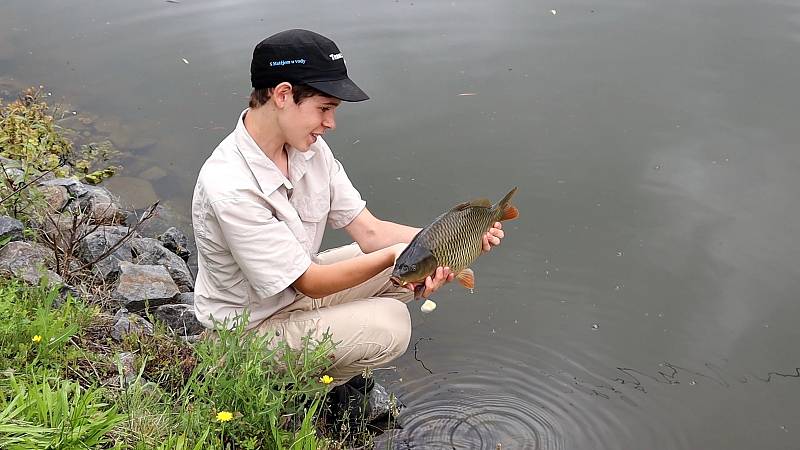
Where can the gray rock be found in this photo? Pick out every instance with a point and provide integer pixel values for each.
(382, 405)
(186, 298)
(101, 240)
(126, 365)
(62, 230)
(28, 261)
(56, 197)
(130, 323)
(180, 319)
(142, 286)
(103, 206)
(176, 241)
(10, 228)
(150, 251)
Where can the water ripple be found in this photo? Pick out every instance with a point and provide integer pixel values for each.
(510, 393)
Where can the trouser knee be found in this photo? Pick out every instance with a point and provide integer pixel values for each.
(395, 324)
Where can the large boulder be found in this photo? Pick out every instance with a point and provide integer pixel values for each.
(144, 286)
(150, 251)
(29, 262)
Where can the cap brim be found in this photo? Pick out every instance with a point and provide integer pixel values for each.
(343, 89)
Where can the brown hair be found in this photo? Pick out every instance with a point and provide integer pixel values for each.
(299, 92)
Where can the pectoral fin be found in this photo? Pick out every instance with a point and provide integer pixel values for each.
(467, 278)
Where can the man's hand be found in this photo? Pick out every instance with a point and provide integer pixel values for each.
(493, 236)
(442, 276)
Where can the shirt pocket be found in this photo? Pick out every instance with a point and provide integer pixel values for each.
(315, 207)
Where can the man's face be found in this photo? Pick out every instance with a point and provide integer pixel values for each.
(302, 123)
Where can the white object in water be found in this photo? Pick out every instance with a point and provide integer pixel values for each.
(428, 306)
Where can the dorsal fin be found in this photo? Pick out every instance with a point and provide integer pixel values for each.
(481, 202)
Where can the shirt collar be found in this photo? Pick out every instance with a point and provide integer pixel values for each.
(267, 174)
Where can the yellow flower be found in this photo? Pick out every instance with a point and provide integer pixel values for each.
(36, 338)
(326, 379)
(224, 416)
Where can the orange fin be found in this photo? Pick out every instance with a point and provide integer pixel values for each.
(510, 212)
(467, 278)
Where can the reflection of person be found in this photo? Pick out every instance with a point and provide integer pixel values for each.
(261, 204)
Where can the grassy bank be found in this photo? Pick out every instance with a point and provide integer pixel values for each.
(65, 383)
(63, 386)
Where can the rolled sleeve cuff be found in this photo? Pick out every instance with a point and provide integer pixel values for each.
(340, 219)
(294, 269)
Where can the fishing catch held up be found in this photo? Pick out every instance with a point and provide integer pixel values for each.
(453, 239)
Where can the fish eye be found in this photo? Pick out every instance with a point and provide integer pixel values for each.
(404, 268)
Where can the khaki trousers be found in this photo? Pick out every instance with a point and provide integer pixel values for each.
(369, 323)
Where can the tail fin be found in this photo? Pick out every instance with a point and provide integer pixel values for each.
(509, 211)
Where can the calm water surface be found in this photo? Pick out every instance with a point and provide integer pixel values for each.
(647, 298)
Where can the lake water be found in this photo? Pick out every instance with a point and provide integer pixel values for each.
(649, 295)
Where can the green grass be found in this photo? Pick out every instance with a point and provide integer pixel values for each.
(53, 393)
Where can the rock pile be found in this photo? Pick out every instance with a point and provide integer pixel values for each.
(147, 276)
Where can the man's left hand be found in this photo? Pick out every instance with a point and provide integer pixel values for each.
(493, 237)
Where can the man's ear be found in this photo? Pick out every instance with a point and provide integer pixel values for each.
(282, 94)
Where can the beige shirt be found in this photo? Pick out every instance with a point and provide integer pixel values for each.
(253, 239)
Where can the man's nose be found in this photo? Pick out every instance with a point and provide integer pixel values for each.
(329, 121)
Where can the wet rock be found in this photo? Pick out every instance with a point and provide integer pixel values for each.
(150, 251)
(153, 173)
(100, 241)
(176, 242)
(28, 261)
(129, 323)
(10, 229)
(180, 319)
(138, 193)
(382, 405)
(166, 216)
(143, 286)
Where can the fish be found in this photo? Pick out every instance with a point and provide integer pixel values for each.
(454, 239)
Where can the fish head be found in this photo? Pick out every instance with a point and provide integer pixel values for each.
(413, 265)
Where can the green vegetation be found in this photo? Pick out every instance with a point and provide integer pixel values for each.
(65, 384)
(241, 392)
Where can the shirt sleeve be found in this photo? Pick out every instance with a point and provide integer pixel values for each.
(346, 202)
(263, 247)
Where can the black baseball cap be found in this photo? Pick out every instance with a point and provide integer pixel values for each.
(303, 57)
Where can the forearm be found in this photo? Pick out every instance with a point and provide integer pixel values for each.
(322, 280)
(387, 233)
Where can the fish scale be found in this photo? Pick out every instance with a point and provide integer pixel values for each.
(454, 239)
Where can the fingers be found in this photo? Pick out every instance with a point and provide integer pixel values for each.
(493, 236)
(436, 280)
